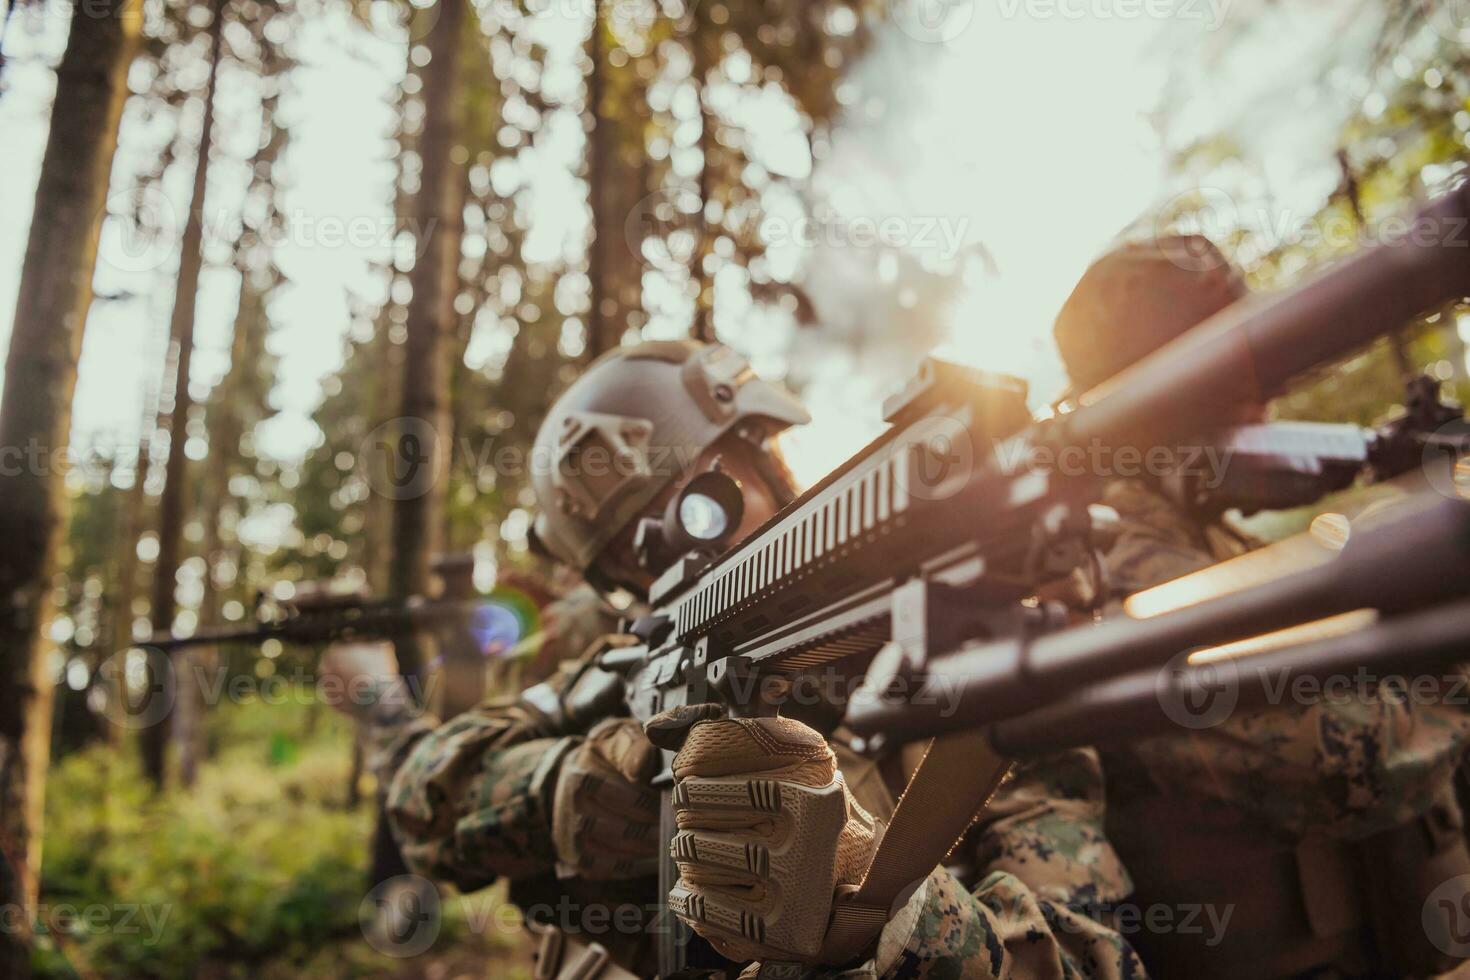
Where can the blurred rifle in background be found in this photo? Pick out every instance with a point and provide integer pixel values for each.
(328, 618)
(468, 630)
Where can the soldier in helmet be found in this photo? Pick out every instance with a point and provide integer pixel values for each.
(1323, 826)
(529, 792)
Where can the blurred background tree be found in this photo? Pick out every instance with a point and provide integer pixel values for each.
(554, 179)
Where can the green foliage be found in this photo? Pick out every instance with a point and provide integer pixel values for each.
(261, 860)
(257, 872)
(1407, 138)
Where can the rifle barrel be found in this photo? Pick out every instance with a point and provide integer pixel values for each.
(1418, 560)
(1248, 352)
(1138, 705)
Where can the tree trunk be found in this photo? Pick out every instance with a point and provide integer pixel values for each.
(35, 416)
(125, 577)
(173, 505)
(225, 431)
(423, 449)
(703, 327)
(600, 337)
(421, 463)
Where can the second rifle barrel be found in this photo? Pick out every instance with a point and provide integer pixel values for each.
(1418, 560)
(1249, 352)
(1203, 696)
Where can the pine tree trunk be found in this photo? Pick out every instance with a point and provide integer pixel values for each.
(173, 505)
(35, 411)
(418, 514)
(600, 337)
(224, 442)
(426, 419)
(125, 576)
(703, 327)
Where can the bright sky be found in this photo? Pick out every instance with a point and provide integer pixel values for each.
(1010, 125)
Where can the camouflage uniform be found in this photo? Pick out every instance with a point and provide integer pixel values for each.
(1047, 875)
(1345, 768)
(570, 625)
(1342, 804)
(470, 802)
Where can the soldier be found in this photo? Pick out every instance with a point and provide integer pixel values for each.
(511, 790)
(1323, 827)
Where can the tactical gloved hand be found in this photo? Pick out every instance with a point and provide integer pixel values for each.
(767, 832)
(604, 813)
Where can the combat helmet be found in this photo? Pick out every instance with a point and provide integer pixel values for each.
(630, 426)
(1136, 298)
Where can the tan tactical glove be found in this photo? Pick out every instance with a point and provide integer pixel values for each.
(604, 812)
(767, 833)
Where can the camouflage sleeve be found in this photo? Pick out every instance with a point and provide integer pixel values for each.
(470, 799)
(1156, 541)
(1045, 827)
(1347, 756)
(1346, 765)
(1049, 875)
(1002, 931)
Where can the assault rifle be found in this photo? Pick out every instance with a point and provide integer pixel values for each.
(329, 619)
(469, 628)
(922, 559)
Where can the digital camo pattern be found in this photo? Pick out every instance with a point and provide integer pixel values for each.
(1045, 863)
(570, 625)
(1344, 762)
(468, 802)
(464, 796)
(1003, 930)
(1045, 827)
(1345, 768)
